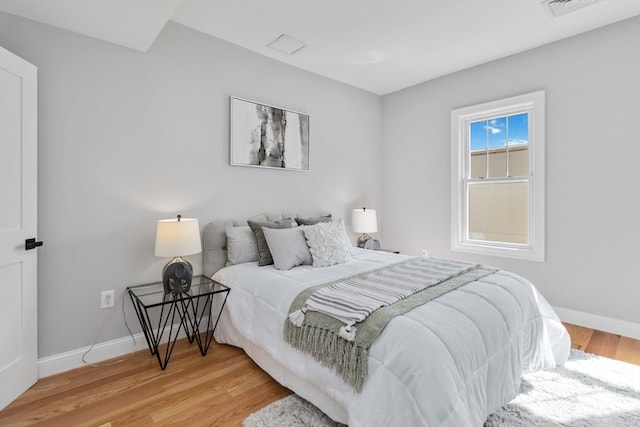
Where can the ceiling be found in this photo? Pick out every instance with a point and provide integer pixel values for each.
(377, 45)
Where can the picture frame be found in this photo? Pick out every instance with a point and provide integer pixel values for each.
(266, 136)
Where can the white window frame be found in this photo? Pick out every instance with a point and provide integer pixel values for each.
(534, 104)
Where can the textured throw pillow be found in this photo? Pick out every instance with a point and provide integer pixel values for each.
(313, 221)
(241, 245)
(264, 255)
(327, 243)
(347, 241)
(288, 247)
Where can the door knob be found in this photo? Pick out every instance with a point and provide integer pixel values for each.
(31, 244)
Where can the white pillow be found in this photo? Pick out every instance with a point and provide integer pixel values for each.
(288, 247)
(352, 250)
(327, 243)
(241, 245)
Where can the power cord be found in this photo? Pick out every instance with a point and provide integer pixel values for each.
(95, 340)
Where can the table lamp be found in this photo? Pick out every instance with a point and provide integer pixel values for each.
(364, 221)
(177, 238)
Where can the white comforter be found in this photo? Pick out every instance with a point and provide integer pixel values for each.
(450, 362)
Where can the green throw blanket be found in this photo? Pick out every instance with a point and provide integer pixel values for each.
(318, 335)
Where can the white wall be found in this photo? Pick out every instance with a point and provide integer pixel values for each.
(127, 138)
(592, 147)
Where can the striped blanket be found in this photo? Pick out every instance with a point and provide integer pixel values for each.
(325, 337)
(352, 300)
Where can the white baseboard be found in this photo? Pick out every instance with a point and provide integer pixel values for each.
(66, 361)
(594, 321)
(62, 362)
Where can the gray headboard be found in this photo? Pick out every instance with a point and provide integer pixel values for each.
(214, 237)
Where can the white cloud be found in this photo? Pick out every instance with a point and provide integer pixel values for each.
(493, 129)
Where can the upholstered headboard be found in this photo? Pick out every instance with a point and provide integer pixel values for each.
(214, 237)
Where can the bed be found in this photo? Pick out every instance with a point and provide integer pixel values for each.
(450, 362)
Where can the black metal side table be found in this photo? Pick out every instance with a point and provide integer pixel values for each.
(162, 316)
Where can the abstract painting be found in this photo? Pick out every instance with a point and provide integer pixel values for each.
(267, 136)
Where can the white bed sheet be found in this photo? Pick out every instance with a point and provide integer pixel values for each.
(450, 362)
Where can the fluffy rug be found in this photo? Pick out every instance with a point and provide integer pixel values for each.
(588, 391)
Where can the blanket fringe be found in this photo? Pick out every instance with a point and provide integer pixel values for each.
(344, 356)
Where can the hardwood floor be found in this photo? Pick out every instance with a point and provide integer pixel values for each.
(220, 389)
(604, 344)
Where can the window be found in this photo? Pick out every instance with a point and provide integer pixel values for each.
(497, 182)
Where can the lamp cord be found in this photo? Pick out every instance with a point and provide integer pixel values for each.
(95, 339)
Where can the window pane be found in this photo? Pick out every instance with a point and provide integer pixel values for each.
(519, 161)
(497, 142)
(478, 164)
(478, 135)
(477, 149)
(497, 132)
(518, 129)
(498, 163)
(518, 142)
(498, 212)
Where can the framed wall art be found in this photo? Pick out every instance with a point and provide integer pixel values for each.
(266, 136)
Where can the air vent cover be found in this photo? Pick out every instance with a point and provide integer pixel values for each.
(561, 7)
(286, 44)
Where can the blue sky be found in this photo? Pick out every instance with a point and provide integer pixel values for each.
(494, 131)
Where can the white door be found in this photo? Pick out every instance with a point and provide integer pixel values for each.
(18, 222)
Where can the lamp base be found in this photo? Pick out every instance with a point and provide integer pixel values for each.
(367, 242)
(177, 275)
(362, 240)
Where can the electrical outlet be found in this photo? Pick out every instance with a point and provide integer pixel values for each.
(107, 299)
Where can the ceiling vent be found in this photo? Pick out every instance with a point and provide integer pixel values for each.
(562, 7)
(286, 44)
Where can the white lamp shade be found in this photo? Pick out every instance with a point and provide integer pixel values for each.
(178, 237)
(364, 221)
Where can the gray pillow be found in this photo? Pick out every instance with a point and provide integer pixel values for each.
(264, 255)
(288, 247)
(313, 221)
(241, 245)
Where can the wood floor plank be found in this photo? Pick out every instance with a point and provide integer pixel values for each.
(580, 336)
(628, 350)
(603, 344)
(220, 389)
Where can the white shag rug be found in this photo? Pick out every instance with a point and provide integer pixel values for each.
(589, 391)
